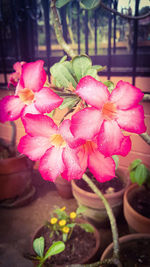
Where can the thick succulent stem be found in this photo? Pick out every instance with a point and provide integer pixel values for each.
(58, 31)
(111, 219)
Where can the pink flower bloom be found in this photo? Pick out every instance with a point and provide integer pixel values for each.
(52, 146)
(30, 95)
(15, 76)
(108, 114)
(103, 168)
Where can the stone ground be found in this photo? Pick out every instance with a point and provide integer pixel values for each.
(17, 225)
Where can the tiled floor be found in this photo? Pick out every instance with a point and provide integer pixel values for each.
(17, 225)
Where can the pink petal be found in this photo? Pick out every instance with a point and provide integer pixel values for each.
(46, 100)
(86, 123)
(101, 167)
(110, 138)
(65, 132)
(19, 87)
(132, 120)
(30, 109)
(10, 108)
(73, 169)
(33, 75)
(125, 146)
(83, 158)
(126, 95)
(29, 146)
(39, 125)
(51, 164)
(92, 91)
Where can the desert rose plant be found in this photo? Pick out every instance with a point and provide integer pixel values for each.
(91, 136)
(91, 132)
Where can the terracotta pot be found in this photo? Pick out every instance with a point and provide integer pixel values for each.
(63, 187)
(124, 241)
(136, 221)
(92, 253)
(96, 212)
(15, 176)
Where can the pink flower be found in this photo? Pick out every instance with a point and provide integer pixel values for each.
(108, 114)
(15, 76)
(103, 168)
(52, 146)
(31, 96)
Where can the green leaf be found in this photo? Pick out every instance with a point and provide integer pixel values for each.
(71, 225)
(60, 213)
(64, 237)
(63, 59)
(81, 209)
(132, 176)
(116, 160)
(38, 246)
(99, 67)
(69, 102)
(110, 85)
(63, 74)
(56, 248)
(80, 65)
(134, 164)
(141, 174)
(89, 4)
(61, 3)
(92, 72)
(87, 227)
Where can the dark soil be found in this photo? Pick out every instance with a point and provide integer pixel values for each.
(77, 247)
(114, 185)
(141, 202)
(135, 253)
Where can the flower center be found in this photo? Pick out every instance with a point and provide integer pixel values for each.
(26, 95)
(89, 147)
(109, 111)
(57, 140)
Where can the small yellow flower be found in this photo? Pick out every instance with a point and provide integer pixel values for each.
(62, 222)
(73, 215)
(53, 220)
(63, 208)
(65, 229)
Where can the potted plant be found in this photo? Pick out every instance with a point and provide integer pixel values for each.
(136, 198)
(113, 191)
(15, 174)
(100, 112)
(81, 240)
(63, 187)
(134, 250)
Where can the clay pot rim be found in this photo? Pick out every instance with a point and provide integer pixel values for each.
(124, 239)
(108, 196)
(96, 234)
(18, 156)
(129, 207)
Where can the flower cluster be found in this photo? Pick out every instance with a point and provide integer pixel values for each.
(89, 138)
(61, 222)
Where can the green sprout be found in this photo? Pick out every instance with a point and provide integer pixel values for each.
(139, 173)
(38, 246)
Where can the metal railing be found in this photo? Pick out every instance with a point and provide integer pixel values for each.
(27, 34)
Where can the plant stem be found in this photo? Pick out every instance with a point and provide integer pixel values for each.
(58, 31)
(110, 215)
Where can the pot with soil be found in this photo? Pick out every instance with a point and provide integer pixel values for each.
(63, 187)
(81, 239)
(113, 191)
(134, 250)
(136, 199)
